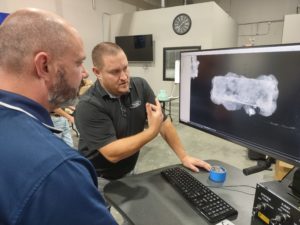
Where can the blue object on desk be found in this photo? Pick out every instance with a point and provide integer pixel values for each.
(217, 174)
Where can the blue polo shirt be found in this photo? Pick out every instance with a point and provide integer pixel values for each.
(42, 179)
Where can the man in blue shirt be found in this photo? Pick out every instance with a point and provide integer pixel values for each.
(42, 179)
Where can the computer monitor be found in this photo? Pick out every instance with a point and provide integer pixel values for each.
(250, 96)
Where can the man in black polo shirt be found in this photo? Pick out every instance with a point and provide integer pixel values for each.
(111, 116)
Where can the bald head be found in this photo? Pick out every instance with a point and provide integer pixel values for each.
(41, 57)
(29, 31)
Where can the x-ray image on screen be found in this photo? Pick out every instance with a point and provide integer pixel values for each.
(254, 95)
(247, 95)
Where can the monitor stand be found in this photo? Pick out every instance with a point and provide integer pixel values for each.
(261, 165)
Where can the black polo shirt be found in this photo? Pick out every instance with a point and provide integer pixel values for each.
(101, 119)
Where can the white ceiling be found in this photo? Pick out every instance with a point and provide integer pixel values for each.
(154, 4)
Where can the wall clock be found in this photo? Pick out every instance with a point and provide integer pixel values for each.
(182, 24)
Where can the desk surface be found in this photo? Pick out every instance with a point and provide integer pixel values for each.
(147, 199)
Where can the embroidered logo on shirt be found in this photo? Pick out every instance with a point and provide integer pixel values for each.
(135, 104)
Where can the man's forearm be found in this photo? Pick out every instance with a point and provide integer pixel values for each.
(125, 147)
(169, 133)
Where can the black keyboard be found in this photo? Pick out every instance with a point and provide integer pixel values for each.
(203, 200)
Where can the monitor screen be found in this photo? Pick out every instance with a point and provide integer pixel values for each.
(250, 96)
(136, 47)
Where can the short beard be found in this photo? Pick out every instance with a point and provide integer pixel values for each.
(62, 94)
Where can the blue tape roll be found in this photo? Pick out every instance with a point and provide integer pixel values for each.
(217, 174)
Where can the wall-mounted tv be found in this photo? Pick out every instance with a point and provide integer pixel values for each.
(138, 48)
(3, 16)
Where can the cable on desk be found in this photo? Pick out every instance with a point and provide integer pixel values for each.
(240, 185)
(228, 186)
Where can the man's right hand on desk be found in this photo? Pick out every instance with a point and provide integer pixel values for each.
(194, 163)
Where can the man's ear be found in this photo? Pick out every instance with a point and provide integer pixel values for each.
(41, 61)
(97, 73)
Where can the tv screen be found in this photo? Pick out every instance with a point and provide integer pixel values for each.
(3, 16)
(250, 96)
(137, 47)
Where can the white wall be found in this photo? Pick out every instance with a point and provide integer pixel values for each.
(224, 29)
(92, 21)
(259, 20)
(291, 33)
(211, 28)
(262, 20)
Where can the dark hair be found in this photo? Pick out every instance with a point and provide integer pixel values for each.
(104, 48)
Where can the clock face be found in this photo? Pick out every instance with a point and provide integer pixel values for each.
(182, 24)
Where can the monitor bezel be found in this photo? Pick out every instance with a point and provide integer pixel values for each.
(252, 146)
